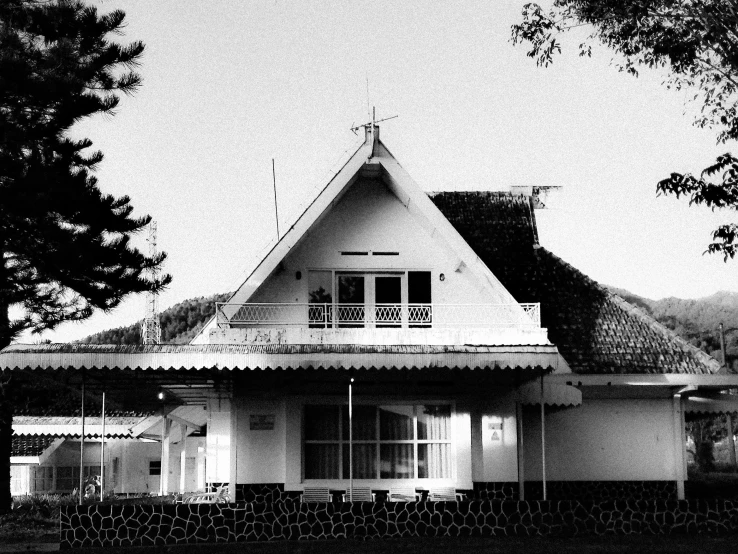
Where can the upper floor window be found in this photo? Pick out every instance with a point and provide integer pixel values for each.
(370, 298)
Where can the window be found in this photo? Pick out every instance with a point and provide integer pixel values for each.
(154, 467)
(43, 479)
(389, 442)
(67, 477)
(373, 299)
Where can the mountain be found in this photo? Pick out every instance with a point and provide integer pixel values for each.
(179, 324)
(696, 320)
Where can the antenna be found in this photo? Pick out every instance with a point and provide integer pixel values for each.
(373, 121)
(274, 182)
(151, 326)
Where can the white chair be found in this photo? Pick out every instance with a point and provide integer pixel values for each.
(359, 494)
(402, 494)
(442, 494)
(221, 496)
(315, 494)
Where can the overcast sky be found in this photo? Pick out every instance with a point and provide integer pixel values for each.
(230, 85)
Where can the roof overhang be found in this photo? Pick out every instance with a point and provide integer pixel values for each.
(553, 394)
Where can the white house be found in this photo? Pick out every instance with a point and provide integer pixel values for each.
(447, 323)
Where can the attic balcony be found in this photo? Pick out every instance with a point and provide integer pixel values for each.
(380, 324)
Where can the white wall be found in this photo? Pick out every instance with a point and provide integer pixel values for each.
(134, 457)
(495, 443)
(261, 453)
(370, 218)
(603, 440)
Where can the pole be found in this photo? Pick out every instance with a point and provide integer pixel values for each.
(82, 449)
(102, 451)
(728, 417)
(351, 442)
(274, 182)
(543, 439)
(161, 463)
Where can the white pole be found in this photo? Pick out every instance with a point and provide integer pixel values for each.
(102, 451)
(351, 443)
(82, 449)
(543, 438)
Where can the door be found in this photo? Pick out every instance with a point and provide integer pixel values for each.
(388, 300)
(351, 311)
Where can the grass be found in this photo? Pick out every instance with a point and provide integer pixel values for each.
(633, 544)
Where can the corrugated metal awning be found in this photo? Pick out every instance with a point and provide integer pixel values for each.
(714, 404)
(301, 356)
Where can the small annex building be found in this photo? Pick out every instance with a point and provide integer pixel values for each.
(475, 359)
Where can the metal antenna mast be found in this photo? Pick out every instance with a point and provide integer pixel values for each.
(151, 326)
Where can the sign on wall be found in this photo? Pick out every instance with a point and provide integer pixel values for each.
(496, 429)
(261, 422)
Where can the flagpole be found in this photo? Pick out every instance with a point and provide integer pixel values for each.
(351, 442)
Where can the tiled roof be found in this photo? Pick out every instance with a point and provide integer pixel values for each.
(595, 330)
(31, 445)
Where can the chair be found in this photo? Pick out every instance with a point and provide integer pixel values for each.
(221, 496)
(442, 494)
(359, 494)
(315, 494)
(402, 494)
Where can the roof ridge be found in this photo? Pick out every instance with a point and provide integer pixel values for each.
(635, 311)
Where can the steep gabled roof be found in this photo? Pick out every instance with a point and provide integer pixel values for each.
(594, 330)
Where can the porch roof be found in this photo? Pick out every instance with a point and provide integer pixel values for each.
(31, 445)
(163, 357)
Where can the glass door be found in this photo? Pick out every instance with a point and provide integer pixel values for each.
(388, 300)
(351, 309)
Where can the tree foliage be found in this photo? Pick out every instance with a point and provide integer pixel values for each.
(694, 41)
(65, 244)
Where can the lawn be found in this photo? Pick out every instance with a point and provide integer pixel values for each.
(632, 544)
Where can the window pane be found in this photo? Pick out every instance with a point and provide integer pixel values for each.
(321, 461)
(365, 423)
(434, 461)
(397, 461)
(395, 423)
(365, 461)
(419, 287)
(434, 422)
(320, 298)
(321, 423)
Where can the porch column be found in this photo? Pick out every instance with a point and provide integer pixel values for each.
(233, 472)
(543, 438)
(182, 457)
(166, 432)
(521, 452)
(679, 443)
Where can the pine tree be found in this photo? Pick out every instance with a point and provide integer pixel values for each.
(65, 244)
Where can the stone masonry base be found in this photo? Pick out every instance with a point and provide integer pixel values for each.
(114, 525)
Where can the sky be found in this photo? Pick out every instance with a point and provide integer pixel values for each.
(229, 86)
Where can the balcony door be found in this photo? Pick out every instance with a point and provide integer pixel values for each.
(369, 299)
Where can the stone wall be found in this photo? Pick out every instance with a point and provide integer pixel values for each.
(114, 525)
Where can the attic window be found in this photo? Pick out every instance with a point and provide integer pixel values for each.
(354, 253)
(385, 253)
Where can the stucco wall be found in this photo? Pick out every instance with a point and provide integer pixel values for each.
(603, 440)
(370, 218)
(495, 454)
(261, 452)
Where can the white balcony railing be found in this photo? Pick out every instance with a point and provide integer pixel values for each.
(379, 315)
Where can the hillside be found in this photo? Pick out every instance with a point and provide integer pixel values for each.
(179, 324)
(696, 320)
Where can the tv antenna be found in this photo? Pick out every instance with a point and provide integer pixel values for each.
(151, 325)
(373, 122)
